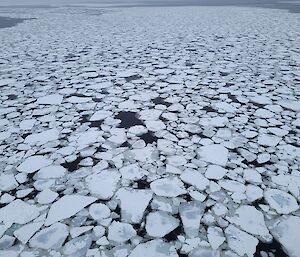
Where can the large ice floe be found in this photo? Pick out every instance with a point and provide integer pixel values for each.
(150, 132)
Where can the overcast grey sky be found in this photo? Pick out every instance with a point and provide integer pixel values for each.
(285, 4)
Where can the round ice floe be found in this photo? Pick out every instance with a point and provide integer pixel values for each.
(99, 211)
(215, 172)
(281, 201)
(159, 223)
(120, 232)
(216, 154)
(137, 130)
(169, 187)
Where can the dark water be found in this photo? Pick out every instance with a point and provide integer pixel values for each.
(6, 22)
(128, 119)
(274, 247)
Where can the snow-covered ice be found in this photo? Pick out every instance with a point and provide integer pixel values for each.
(150, 131)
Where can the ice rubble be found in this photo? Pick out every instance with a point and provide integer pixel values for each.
(177, 142)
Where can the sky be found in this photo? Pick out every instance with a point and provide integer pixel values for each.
(292, 5)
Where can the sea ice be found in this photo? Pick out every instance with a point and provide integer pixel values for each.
(215, 154)
(159, 223)
(54, 99)
(240, 242)
(103, 184)
(157, 248)
(286, 230)
(133, 203)
(120, 232)
(52, 237)
(66, 207)
(281, 201)
(18, 212)
(33, 164)
(169, 187)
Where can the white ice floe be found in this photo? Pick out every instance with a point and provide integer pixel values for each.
(155, 125)
(52, 171)
(205, 252)
(54, 99)
(286, 230)
(191, 214)
(25, 232)
(169, 187)
(46, 196)
(42, 137)
(249, 219)
(120, 232)
(151, 114)
(99, 211)
(7, 182)
(100, 115)
(157, 248)
(195, 178)
(215, 237)
(137, 130)
(103, 184)
(133, 203)
(215, 154)
(281, 201)
(268, 140)
(78, 246)
(214, 122)
(132, 172)
(240, 242)
(159, 224)
(290, 105)
(33, 164)
(27, 124)
(18, 212)
(66, 207)
(52, 237)
(77, 231)
(215, 172)
(176, 160)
